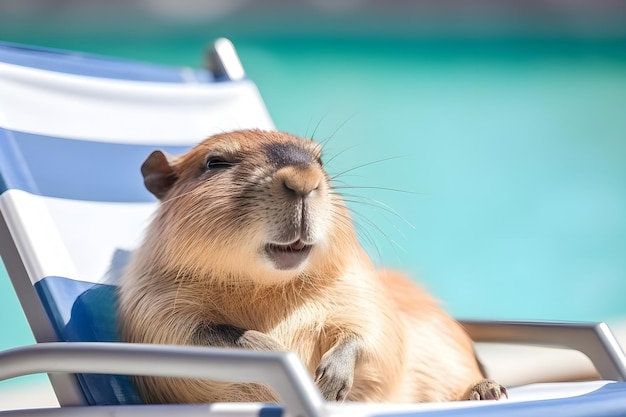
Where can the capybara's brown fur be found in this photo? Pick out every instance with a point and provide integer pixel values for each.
(253, 248)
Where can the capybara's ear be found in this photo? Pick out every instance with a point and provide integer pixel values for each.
(158, 173)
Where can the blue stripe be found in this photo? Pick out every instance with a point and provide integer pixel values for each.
(608, 401)
(96, 66)
(74, 169)
(271, 411)
(86, 312)
(75, 307)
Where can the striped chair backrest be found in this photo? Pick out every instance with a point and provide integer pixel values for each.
(74, 131)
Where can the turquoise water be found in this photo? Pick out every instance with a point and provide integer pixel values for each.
(492, 171)
(520, 168)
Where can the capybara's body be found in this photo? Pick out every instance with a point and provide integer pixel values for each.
(253, 248)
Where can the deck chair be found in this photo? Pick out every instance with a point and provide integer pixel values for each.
(74, 129)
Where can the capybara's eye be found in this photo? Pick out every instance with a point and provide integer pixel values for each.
(216, 162)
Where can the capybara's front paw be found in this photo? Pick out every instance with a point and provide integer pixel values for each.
(486, 389)
(334, 377)
(335, 373)
(254, 340)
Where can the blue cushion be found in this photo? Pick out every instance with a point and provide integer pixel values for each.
(86, 312)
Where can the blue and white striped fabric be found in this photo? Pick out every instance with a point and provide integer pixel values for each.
(74, 130)
(71, 147)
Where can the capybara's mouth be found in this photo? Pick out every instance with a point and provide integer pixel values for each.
(290, 256)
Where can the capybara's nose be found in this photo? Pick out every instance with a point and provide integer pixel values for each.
(299, 181)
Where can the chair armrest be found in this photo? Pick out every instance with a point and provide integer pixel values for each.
(282, 371)
(593, 339)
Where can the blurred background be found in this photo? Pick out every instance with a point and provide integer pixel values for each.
(484, 141)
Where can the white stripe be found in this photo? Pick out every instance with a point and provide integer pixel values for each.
(74, 106)
(34, 233)
(236, 409)
(70, 238)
